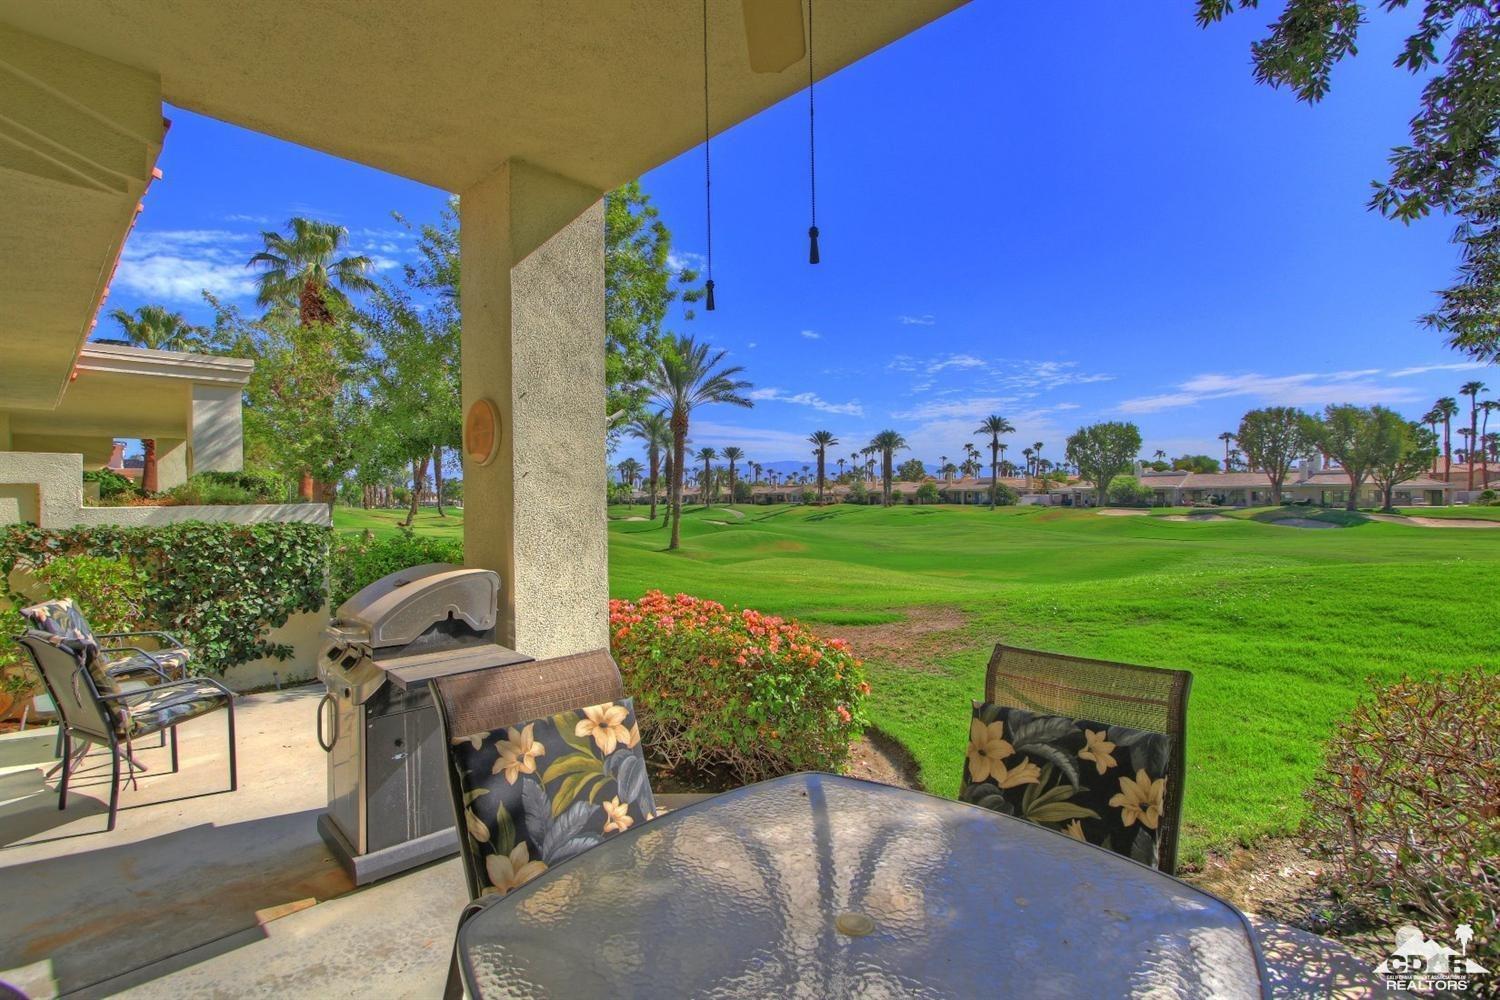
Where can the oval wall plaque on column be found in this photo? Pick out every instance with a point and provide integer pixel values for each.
(481, 432)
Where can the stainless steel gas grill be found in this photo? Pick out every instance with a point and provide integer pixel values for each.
(388, 803)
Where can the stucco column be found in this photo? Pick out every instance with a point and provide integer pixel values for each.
(533, 344)
(216, 429)
(4, 431)
(171, 462)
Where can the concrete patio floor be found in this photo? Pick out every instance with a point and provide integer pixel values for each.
(199, 892)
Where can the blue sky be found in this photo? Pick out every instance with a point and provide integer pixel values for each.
(1105, 219)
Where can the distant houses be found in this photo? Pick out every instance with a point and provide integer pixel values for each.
(1308, 483)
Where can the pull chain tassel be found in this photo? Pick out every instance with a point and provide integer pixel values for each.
(812, 249)
(708, 286)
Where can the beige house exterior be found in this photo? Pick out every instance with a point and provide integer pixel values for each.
(528, 110)
(1309, 484)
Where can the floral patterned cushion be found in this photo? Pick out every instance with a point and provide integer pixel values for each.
(541, 792)
(173, 662)
(159, 707)
(65, 627)
(1094, 782)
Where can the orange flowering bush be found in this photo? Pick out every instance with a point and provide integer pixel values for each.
(733, 693)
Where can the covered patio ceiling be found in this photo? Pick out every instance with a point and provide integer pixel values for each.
(443, 93)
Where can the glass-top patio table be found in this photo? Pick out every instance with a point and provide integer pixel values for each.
(819, 886)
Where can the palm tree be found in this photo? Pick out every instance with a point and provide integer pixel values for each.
(1487, 407)
(687, 375)
(732, 455)
(158, 329)
(995, 425)
(1432, 418)
(302, 270)
(887, 443)
(630, 471)
(821, 441)
(942, 465)
(1226, 437)
(755, 468)
(1467, 449)
(1036, 456)
(652, 429)
(1472, 390)
(1026, 452)
(1447, 407)
(705, 455)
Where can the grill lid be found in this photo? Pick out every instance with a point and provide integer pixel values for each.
(396, 609)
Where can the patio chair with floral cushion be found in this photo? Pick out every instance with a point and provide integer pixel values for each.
(167, 661)
(545, 761)
(1092, 749)
(98, 707)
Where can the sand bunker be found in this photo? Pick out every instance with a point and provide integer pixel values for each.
(633, 517)
(1435, 522)
(1196, 517)
(1121, 512)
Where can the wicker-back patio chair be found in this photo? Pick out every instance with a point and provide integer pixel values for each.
(95, 707)
(1117, 694)
(478, 703)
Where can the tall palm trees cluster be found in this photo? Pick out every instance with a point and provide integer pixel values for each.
(1480, 445)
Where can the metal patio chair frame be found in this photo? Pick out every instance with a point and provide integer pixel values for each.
(1118, 694)
(86, 715)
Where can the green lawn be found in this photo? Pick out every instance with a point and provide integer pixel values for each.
(387, 522)
(1280, 625)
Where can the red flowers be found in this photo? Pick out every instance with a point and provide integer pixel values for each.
(736, 689)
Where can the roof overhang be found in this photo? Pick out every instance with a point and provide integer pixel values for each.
(444, 93)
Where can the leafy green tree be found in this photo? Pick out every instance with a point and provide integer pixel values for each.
(858, 492)
(995, 425)
(1449, 166)
(1402, 450)
(927, 492)
(1128, 491)
(1350, 436)
(886, 444)
(1196, 463)
(1274, 437)
(301, 271)
(1103, 451)
(640, 286)
(652, 429)
(913, 470)
(157, 328)
(304, 406)
(687, 375)
(821, 442)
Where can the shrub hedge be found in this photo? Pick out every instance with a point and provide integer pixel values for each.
(220, 588)
(1407, 806)
(733, 694)
(357, 560)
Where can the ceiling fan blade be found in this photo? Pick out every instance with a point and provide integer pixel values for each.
(774, 34)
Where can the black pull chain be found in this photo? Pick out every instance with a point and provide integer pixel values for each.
(812, 145)
(708, 196)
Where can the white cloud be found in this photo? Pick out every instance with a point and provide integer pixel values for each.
(678, 260)
(1023, 378)
(1457, 366)
(179, 265)
(812, 399)
(925, 319)
(812, 335)
(752, 345)
(972, 408)
(259, 220)
(1303, 389)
